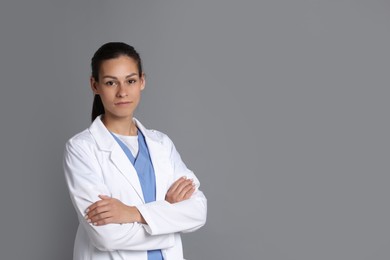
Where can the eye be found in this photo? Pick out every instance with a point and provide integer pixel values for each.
(110, 83)
(131, 81)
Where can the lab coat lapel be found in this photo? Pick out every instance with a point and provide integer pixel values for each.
(126, 168)
(106, 142)
(159, 168)
(159, 161)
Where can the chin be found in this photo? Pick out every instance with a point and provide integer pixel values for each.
(120, 115)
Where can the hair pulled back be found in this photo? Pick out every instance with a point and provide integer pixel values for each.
(110, 50)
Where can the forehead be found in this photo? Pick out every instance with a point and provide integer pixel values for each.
(121, 66)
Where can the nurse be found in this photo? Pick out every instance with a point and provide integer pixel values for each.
(132, 192)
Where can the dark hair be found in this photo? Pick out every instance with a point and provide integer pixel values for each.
(110, 50)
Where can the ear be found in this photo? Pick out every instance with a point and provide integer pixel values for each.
(143, 82)
(93, 84)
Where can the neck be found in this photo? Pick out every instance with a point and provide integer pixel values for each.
(121, 126)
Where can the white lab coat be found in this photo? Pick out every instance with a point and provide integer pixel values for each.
(95, 164)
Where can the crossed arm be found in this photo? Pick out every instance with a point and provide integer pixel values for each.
(110, 210)
(183, 210)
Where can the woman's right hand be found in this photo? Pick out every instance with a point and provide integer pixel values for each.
(180, 190)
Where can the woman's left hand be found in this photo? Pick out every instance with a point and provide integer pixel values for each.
(109, 210)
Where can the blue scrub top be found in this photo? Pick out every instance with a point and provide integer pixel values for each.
(145, 171)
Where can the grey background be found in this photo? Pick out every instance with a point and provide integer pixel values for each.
(280, 107)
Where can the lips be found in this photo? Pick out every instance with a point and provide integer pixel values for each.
(122, 103)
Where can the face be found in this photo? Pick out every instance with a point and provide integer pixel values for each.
(119, 87)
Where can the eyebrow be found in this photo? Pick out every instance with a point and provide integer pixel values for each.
(112, 77)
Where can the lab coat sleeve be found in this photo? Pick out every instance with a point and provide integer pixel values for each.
(185, 216)
(85, 183)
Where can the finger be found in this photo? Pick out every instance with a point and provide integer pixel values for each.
(97, 211)
(184, 191)
(104, 200)
(98, 203)
(99, 217)
(177, 183)
(103, 222)
(189, 193)
(183, 185)
(177, 195)
(104, 197)
(182, 195)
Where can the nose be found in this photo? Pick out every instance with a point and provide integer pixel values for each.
(121, 91)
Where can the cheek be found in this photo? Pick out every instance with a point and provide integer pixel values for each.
(106, 97)
(136, 92)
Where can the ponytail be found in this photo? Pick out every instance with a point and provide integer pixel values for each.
(97, 107)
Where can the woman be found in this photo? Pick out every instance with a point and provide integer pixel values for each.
(132, 192)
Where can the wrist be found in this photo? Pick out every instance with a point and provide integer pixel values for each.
(136, 215)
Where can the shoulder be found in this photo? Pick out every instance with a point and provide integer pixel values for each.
(154, 135)
(159, 137)
(81, 140)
